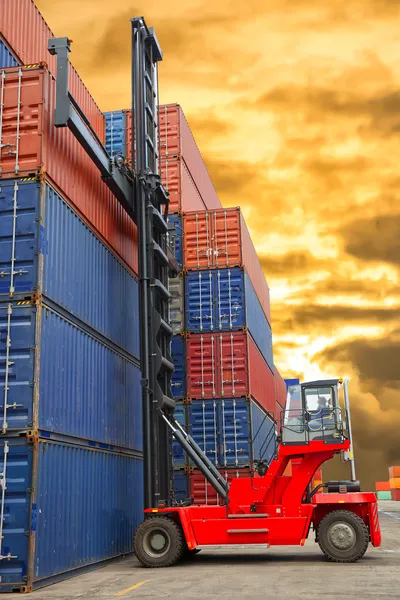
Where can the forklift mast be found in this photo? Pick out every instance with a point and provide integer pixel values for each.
(139, 190)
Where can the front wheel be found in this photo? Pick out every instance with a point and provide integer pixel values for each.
(159, 542)
(343, 536)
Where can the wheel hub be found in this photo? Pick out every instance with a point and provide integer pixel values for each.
(156, 543)
(342, 536)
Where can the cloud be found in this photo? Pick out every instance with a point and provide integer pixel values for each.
(375, 239)
(292, 264)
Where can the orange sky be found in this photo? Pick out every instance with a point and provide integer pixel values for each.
(295, 105)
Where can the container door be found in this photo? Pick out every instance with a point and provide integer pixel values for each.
(232, 364)
(19, 229)
(226, 238)
(198, 242)
(202, 366)
(229, 299)
(200, 293)
(234, 428)
(178, 377)
(204, 427)
(16, 519)
(179, 456)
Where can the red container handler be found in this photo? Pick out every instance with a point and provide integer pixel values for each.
(32, 146)
(220, 239)
(27, 33)
(280, 389)
(203, 493)
(395, 495)
(228, 365)
(382, 486)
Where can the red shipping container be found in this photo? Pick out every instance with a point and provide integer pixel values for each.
(220, 239)
(44, 149)
(228, 365)
(177, 180)
(396, 495)
(394, 471)
(280, 389)
(202, 492)
(382, 486)
(27, 33)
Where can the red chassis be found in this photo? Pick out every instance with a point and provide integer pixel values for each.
(273, 509)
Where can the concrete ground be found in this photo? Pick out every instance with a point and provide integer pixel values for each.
(242, 572)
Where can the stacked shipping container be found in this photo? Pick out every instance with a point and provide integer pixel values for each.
(394, 481)
(71, 437)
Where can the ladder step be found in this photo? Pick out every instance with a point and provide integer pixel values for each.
(248, 530)
(249, 516)
(161, 288)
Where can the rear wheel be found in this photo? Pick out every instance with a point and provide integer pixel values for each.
(343, 536)
(159, 542)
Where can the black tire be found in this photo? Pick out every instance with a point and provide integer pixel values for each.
(342, 536)
(159, 542)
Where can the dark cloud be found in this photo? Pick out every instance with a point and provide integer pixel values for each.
(375, 239)
(206, 124)
(291, 264)
(230, 176)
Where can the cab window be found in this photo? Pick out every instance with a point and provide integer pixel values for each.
(317, 399)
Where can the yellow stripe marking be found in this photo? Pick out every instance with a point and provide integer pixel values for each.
(133, 587)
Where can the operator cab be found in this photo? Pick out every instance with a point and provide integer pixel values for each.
(313, 412)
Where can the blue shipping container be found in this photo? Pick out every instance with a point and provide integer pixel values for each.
(234, 432)
(58, 255)
(6, 58)
(181, 485)
(178, 237)
(178, 454)
(115, 133)
(59, 378)
(292, 382)
(66, 507)
(225, 300)
(179, 359)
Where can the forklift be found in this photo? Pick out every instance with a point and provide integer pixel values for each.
(270, 507)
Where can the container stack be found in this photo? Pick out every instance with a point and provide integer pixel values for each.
(383, 490)
(394, 481)
(71, 423)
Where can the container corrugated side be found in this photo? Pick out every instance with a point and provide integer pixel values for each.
(220, 239)
(68, 507)
(394, 471)
(228, 365)
(178, 353)
(280, 388)
(232, 432)
(43, 147)
(385, 495)
(176, 139)
(177, 180)
(202, 492)
(181, 485)
(58, 255)
(63, 379)
(225, 300)
(178, 454)
(6, 57)
(395, 495)
(115, 133)
(177, 304)
(27, 33)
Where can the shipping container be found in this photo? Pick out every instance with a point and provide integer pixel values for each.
(394, 483)
(181, 485)
(178, 353)
(179, 183)
(178, 454)
(6, 57)
(395, 495)
(27, 34)
(384, 495)
(228, 365)
(32, 145)
(115, 133)
(177, 237)
(176, 140)
(58, 377)
(220, 239)
(46, 248)
(202, 492)
(225, 300)
(66, 507)
(177, 304)
(382, 486)
(232, 432)
(394, 471)
(280, 390)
